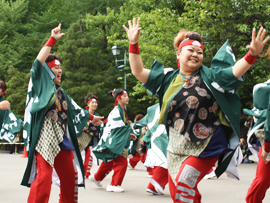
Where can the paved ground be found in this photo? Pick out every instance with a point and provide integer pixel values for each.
(222, 190)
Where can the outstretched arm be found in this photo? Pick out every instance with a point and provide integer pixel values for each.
(46, 49)
(135, 59)
(255, 48)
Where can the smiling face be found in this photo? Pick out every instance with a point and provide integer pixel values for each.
(190, 58)
(93, 105)
(58, 73)
(123, 100)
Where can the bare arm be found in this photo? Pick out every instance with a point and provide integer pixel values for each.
(135, 60)
(45, 51)
(255, 48)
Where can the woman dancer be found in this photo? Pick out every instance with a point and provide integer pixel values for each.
(200, 106)
(52, 123)
(92, 130)
(111, 148)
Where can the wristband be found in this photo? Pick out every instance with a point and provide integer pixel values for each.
(91, 117)
(134, 48)
(51, 42)
(249, 58)
(266, 146)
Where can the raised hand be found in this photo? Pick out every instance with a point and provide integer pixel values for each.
(133, 31)
(258, 42)
(56, 32)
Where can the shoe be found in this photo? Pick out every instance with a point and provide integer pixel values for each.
(92, 179)
(110, 188)
(210, 175)
(151, 191)
(158, 187)
(113, 188)
(118, 189)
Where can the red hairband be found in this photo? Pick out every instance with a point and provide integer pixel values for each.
(118, 96)
(53, 63)
(190, 42)
(87, 107)
(3, 92)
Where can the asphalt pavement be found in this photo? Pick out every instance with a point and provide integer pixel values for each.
(222, 190)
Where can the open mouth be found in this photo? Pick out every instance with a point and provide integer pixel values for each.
(195, 60)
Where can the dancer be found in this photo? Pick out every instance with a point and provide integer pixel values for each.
(91, 131)
(10, 123)
(156, 140)
(141, 149)
(200, 106)
(261, 114)
(111, 148)
(51, 126)
(132, 162)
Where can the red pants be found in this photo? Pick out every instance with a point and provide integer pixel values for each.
(261, 182)
(88, 162)
(118, 165)
(190, 174)
(65, 167)
(160, 175)
(143, 158)
(134, 160)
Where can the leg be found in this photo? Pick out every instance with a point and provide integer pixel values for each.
(190, 174)
(103, 170)
(88, 162)
(160, 175)
(260, 184)
(134, 160)
(66, 169)
(41, 187)
(119, 168)
(158, 180)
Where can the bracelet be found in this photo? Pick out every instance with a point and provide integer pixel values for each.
(51, 42)
(266, 146)
(91, 117)
(249, 58)
(134, 48)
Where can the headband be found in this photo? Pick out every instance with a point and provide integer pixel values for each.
(118, 96)
(87, 107)
(4, 91)
(53, 63)
(190, 42)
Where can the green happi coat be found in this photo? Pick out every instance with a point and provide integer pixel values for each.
(10, 124)
(40, 96)
(223, 84)
(115, 137)
(156, 138)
